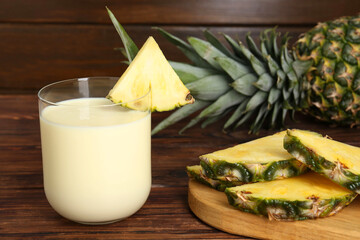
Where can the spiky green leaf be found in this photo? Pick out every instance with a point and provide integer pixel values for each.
(284, 64)
(287, 55)
(232, 67)
(281, 79)
(273, 39)
(210, 87)
(273, 66)
(189, 73)
(267, 41)
(186, 48)
(283, 116)
(264, 51)
(236, 114)
(122, 50)
(195, 58)
(301, 67)
(252, 47)
(293, 80)
(256, 100)
(265, 82)
(173, 39)
(129, 45)
(227, 100)
(244, 119)
(214, 119)
(260, 118)
(245, 84)
(274, 95)
(275, 114)
(257, 65)
(216, 43)
(180, 114)
(235, 47)
(206, 51)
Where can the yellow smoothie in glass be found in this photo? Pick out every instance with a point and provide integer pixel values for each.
(96, 159)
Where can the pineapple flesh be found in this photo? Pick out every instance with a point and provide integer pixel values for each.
(303, 197)
(263, 159)
(150, 70)
(338, 161)
(197, 173)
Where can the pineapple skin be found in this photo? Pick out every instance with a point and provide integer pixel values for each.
(333, 82)
(249, 173)
(196, 172)
(284, 210)
(319, 164)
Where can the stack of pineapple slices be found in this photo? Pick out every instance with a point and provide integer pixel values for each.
(276, 167)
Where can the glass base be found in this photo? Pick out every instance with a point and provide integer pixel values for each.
(101, 223)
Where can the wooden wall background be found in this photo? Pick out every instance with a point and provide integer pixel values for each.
(43, 41)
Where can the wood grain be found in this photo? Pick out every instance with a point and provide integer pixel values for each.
(35, 55)
(189, 12)
(45, 41)
(213, 208)
(25, 213)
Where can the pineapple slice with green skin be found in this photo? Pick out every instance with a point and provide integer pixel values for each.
(263, 159)
(151, 70)
(303, 197)
(196, 172)
(338, 161)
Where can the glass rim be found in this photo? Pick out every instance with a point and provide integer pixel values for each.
(86, 79)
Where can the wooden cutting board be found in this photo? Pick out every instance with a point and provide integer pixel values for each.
(212, 207)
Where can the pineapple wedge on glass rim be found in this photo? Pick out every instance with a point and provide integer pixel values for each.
(150, 70)
(302, 197)
(338, 161)
(263, 159)
(195, 172)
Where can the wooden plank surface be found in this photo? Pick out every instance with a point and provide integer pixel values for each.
(190, 12)
(45, 41)
(213, 208)
(35, 55)
(25, 213)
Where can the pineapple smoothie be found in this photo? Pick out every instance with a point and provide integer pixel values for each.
(96, 153)
(96, 159)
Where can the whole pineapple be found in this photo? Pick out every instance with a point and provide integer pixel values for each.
(334, 78)
(264, 83)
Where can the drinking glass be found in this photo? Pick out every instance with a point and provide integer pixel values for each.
(96, 154)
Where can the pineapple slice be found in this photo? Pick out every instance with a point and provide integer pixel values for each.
(150, 69)
(338, 161)
(307, 196)
(263, 159)
(197, 173)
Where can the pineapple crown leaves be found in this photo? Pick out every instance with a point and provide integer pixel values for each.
(259, 84)
(130, 48)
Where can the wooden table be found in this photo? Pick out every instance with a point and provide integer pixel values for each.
(25, 212)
